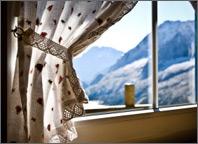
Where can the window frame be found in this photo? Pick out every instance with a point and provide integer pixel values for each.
(155, 53)
(154, 71)
(196, 55)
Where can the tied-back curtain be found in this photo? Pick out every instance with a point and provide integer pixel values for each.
(50, 34)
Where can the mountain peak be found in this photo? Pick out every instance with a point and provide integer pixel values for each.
(94, 61)
(170, 34)
(176, 67)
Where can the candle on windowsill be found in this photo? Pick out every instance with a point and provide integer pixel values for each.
(129, 95)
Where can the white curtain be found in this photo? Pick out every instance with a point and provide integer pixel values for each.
(46, 93)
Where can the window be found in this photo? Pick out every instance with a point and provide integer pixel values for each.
(176, 53)
(124, 54)
(119, 56)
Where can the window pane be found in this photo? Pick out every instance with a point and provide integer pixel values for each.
(176, 53)
(119, 56)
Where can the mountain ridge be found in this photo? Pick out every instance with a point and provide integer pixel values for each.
(133, 67)
(95, 60)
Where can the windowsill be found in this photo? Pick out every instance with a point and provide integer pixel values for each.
(112, 113)
(178, 107)
(115, 109)
(173, 124)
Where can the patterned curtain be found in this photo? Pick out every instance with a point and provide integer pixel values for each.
(46, 93)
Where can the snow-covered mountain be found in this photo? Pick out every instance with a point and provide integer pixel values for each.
(176, 69)
(175, 39)
(95, 60)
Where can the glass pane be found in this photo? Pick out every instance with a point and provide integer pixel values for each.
(119, 56)
(176, 53)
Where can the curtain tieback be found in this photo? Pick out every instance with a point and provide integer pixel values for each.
(72, 108)
(44, 44)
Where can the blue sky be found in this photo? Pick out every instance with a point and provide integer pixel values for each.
(177, 10)
(134, 26)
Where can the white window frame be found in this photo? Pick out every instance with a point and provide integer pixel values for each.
(153, 98)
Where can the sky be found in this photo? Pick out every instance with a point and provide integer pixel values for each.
(133, 27)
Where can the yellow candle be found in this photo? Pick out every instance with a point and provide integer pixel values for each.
(129, 95)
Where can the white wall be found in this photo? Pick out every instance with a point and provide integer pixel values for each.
(164, 126)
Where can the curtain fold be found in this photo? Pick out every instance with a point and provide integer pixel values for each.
(50, 34)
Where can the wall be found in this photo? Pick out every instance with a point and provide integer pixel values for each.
(164, 126)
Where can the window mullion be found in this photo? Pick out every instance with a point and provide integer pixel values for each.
(196, 57)
(154, 54)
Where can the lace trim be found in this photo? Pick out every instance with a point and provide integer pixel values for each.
(63, 134)
(73, 108)
(46, 45)
(128, 5)
(58, 139)
(94, 35)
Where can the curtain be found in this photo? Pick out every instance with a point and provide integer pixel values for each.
(45, 91)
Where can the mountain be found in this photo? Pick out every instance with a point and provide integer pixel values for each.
(95, 60)
(176, 69)
(174, 38)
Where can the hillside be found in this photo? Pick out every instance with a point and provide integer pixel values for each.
(176, 65)
(95, 60)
